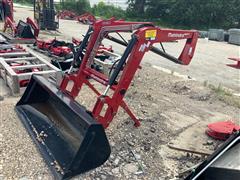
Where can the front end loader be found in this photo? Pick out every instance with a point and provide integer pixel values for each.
(70, 137)
(22, 30)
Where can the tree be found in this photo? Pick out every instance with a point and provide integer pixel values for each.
(210, 14)
(188, 13)
(78, 6)
(158, 8)
(23, 1)
(108, 11)
(136, 8)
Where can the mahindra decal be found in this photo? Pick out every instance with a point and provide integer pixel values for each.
(178, 35)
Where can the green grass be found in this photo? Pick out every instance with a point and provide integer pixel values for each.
(224, 95)
(24, 3)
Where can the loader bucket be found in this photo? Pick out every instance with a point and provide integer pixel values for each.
(68, 137)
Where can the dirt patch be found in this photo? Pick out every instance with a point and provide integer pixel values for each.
(171, 110)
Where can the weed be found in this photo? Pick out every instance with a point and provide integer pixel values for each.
(225, 95)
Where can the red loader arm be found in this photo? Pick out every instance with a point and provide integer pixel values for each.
(34, 26)
(167, 35)
(145, 36)
(158, 35)
(10, 24)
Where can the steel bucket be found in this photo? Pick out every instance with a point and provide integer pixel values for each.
(68, 137)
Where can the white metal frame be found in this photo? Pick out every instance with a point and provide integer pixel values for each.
(12, 79)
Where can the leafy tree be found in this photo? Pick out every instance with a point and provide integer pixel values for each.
(210, 14)
(158, 8)
(108, 11)
(23, 1)
(136, 8)
(78, 6)
(188, 13)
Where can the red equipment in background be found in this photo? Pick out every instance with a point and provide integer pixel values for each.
(44, 45)
(55, 47)
(76, 41)
(22, 30)
(237, 66)
(222, 130)
(100, 49)
(66, 14)
(86, 18)
(62, 48)
(142, 41)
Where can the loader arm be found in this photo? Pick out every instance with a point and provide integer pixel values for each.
(168, 35)
(95, 35)
(10, 24)
(34, 26)
(182, 59)
(141, 42)
(144, 37)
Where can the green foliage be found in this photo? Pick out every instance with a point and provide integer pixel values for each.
(210, 14)
(108, 11)
(30, 2)
(77, 6)
(188, 13)
(136, 8)
(101, 9)
(225, 95)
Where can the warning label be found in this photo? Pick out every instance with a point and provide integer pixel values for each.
(151, 34)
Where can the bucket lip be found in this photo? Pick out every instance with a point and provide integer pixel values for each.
(62, 96)
(40, 147)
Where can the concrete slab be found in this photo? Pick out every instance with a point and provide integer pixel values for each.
(194, 137)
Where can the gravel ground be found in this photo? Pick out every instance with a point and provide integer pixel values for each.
(19, 158)
(169, 108)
